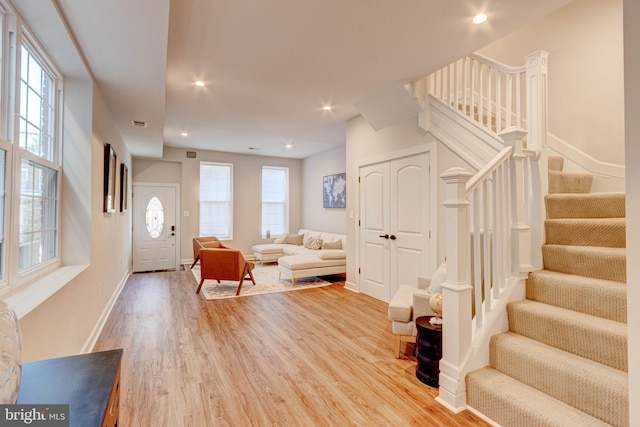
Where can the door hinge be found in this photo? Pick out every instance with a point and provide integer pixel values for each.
(358, 223)
(358, 270)
(358, 179)
(429, 233)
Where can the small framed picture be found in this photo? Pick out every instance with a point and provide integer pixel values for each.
(110, 168)
(124, 187)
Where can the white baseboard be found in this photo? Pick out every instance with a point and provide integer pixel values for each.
(351, 286)
(97, 329)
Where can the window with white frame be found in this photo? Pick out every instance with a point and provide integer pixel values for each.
(216, 200)
(36, 155)
(275, 201)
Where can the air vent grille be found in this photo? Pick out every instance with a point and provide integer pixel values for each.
(138, 124)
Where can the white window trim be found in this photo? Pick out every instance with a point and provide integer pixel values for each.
(39, 282)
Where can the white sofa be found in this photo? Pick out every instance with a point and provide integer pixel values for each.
(297, 261)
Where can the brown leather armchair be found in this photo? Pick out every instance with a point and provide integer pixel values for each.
(224, 264)
(202, 243)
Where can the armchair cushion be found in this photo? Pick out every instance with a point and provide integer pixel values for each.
(333, 254)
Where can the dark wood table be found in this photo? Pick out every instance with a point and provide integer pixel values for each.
(428, 351)
(88, 383)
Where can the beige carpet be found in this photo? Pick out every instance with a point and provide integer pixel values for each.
(563, 361)
(267, 282)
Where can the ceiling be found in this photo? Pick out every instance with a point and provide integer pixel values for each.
(269, 66)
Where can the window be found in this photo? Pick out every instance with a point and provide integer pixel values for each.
(216, 200)
(38, 180)
(275, 201)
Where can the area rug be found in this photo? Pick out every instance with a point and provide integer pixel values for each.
(267, 282)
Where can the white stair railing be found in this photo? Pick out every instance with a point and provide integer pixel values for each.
(495, 95)
(489, 249)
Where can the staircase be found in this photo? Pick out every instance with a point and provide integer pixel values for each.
(563, 361)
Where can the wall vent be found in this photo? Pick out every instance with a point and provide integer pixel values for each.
(138, 124)
(191, 154)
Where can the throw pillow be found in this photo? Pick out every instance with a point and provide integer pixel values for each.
(314, 244)
(332, 245)
(438, 279)
(293, 239)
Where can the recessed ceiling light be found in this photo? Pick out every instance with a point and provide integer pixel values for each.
(184, 133)
(288, 146)
(254, 148)
(479, 18)
(200, 83)
(327, 108)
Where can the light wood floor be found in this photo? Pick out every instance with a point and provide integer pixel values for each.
(316, 357)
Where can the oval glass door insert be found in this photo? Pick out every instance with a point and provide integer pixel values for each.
(155, 217)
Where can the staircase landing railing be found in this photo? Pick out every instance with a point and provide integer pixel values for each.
(495, 95)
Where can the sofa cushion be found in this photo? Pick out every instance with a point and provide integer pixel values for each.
(268, 248)
(401, 305)
(333, 254)
(303, 262)
(313, 244)
(332, 245)
(293, 239)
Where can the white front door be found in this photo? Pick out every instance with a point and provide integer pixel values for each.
(394, 224)
(154, 227)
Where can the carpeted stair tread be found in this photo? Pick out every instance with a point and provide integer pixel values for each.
(608, 232)
(555, 163)
(596, 297)
(510, 402)
(601, 340)
(567, 182)
(600, 391)
(590, 205)
(596, 262)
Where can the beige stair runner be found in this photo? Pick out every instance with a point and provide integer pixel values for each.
(563, 361)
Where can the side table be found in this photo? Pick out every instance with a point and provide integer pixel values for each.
(428, 351)
(88, 383)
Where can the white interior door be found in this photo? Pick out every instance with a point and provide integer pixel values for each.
(154, 227)
(394, 224)
(374, 226)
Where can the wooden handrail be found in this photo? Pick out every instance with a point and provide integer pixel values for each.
(498, 65)
(488, 169)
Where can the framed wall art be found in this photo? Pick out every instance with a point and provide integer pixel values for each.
(124, 187)
(334, 191)
(110, 168)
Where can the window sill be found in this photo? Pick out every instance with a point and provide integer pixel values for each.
(27, 298)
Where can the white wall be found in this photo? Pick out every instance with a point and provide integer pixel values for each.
(314, 215)
(632, 151)
(64, 324)
(364, 143)
(586, 90)
(247, 192)
(156, 171)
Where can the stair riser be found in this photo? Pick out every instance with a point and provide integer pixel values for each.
(583, 263)
(595, 205)
(600, 392)
(562, 182)
(607, 300)
(611, 234)
(589, 340)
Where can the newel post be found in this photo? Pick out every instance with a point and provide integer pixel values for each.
(456, 292)
(537, 105)
(520, 229)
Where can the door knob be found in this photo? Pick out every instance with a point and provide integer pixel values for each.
(393, 237)
(384, 236)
